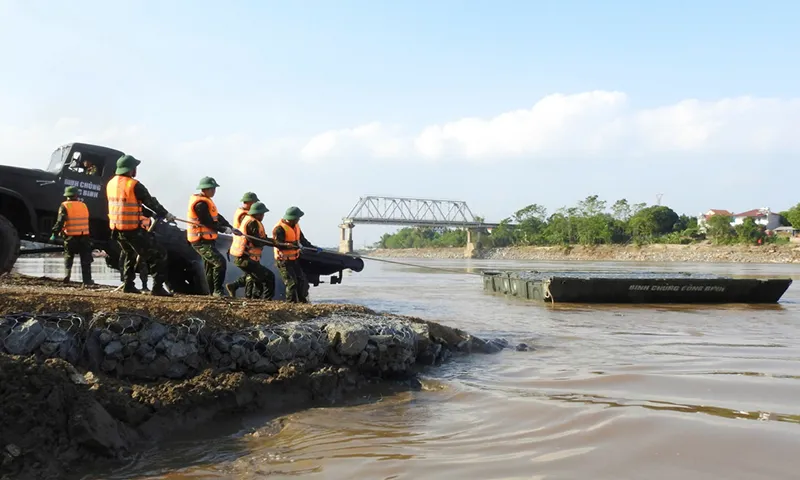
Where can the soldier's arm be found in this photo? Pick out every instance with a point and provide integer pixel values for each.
(204, 216)
(279, 234)
(304, 242)
(223, 222)
(252, 231)
(148, 200)
(60, 220)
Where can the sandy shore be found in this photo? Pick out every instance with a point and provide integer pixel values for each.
(648, 253)
(88, 376)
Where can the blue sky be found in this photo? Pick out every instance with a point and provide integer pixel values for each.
(317, 103)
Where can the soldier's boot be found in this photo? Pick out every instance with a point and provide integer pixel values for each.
(144, 285)
(86, 273)
(231, 289)
(129, 287)
(159, 290)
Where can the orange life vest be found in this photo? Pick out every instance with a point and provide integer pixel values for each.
(243, 246)
(124, 209)
(239, 216)
(292, 236)
(77, 223)
(196, 231)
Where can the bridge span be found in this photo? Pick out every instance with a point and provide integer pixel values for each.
(413, 212)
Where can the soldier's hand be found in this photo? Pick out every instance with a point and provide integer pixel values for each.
(237, 232)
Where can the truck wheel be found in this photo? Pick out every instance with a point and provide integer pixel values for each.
(9, 245)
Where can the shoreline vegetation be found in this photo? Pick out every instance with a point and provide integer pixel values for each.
(694, 253)
(89, 377)
(592, 230)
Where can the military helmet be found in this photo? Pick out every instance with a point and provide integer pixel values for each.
(126, 163)
(249, 197)
(293, 213)
(71, 191)
(207, 182)
(257, 208)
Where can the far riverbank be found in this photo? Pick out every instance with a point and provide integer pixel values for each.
(702, 253)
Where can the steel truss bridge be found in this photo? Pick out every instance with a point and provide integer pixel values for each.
(378, 210)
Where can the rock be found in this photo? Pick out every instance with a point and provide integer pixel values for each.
(362, 359)
(108, 365)
(279, 349)
(180, 350)
(353, 338)
(164, 345)
(131, 348)
(222, 342)
(94, 349)
(25, 338)
(522, 347)
(153, 333)
(125, 324)
(237, 352)
(159, 366)
(333, 358)
(193, 361)
(13, 450)
(55, 335)
(265, 366)
(114, 350)
(253, 357)
(105, 337)
(129, 338)
(93, 427)
(176, 370)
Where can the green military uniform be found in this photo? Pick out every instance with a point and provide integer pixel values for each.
(294, 278)
(80, 245)
(141, 267)
(262, 279)
(214, 263)
(138, 245)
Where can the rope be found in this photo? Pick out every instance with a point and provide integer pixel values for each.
(272, 243)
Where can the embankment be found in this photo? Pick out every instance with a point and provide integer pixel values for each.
(88, 375)
(700, 253)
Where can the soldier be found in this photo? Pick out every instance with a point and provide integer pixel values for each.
(245, 281)
(205, 223)
(247, 201)
(141, 267)
(247, 254)
(288, 231)
(126, 195)
(73, 223)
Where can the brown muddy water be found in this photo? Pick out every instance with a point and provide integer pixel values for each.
(610, 392)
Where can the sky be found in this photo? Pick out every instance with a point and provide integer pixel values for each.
(500, 104)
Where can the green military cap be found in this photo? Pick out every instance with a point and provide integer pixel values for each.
(207, 182)
(249, 197)
(126, 163)
(257, 208)
(293, 213)
(71, 191)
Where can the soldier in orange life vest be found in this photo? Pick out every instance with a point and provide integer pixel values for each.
(126, 195)
(247, 255)
(206, 223)
(286, 258)
(246, 281)
(73, 223)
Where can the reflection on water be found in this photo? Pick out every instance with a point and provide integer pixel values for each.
(657, 392)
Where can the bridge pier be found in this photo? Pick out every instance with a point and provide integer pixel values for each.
(474, 246)
(346, 238)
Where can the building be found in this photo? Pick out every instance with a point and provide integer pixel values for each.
(702, 219)
(762, 216)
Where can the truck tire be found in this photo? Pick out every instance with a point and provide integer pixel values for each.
(9, 245)
(186, 276)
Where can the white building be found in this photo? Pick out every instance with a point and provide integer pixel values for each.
(702, 219)
(762, 216)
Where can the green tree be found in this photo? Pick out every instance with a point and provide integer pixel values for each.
(621, 210)
(531, 222)
(719, 228)
(793, 216)
(749, 232)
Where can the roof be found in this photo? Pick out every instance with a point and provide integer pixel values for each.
(752, 213)
(715, 211)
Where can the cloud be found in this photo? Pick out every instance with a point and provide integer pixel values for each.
(590, 124)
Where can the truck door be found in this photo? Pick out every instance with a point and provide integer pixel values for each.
(84, 170)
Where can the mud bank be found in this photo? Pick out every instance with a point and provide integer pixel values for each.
(89, 376)
(702, 253)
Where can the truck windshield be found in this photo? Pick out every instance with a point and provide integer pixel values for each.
(57, 160)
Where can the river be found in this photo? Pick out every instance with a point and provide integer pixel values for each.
(608, 392)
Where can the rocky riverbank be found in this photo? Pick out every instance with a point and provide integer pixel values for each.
(700, 253)
(89, 375)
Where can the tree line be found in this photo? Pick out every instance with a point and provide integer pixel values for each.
(593, 222)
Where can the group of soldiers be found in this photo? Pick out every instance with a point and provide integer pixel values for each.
(131, 227)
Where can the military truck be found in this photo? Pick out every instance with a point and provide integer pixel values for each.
(29, 201)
